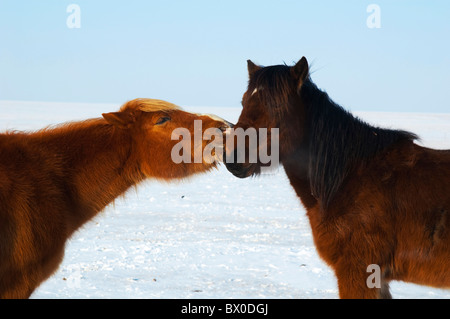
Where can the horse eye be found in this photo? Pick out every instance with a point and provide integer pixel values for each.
(162, 120)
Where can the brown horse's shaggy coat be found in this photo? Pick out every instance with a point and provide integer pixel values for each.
(373, 196)
(55, 180)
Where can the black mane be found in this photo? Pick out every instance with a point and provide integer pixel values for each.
(338, 141)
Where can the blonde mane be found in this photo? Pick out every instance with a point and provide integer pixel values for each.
(150, 105)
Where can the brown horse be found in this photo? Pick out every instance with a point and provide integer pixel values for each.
(378, 204)
(56, 179)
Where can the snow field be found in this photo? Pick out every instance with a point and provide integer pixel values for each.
(213, 236)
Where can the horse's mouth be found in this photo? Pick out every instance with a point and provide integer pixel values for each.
(236, 170)
(217, 153)
(241, 170)
(218, 146)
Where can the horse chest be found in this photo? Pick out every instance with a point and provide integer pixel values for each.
(329, 236)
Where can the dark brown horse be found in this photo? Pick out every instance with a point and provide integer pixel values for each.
(55, 180)
(378, 204)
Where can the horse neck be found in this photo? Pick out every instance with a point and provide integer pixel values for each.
(334, 144)
(295, 153)
(296, 170)
(97, 164)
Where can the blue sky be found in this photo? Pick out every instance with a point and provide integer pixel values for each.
(193, 53)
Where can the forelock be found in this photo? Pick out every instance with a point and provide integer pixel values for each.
(273, 85)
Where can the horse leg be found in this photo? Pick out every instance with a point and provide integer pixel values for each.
(20, 282)
(353, 285)
(384, 291)
(16, 285)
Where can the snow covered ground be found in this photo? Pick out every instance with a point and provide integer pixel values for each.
(214, 236)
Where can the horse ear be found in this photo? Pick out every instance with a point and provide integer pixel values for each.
(252, 67)
(300, 71)
(119, 119)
